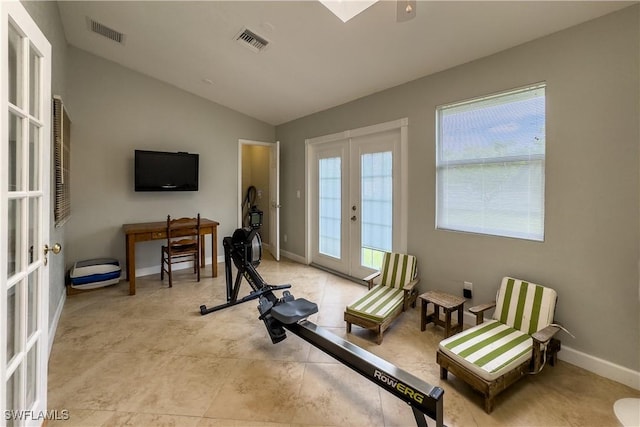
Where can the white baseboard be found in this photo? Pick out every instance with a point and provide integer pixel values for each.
(600, 367)
(588, 362)
(293, 257)
(54, 322)
(155, 269)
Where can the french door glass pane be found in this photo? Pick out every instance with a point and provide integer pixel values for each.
(12, 396)
(15, 67)
(12, 322)
(32, 301)
(34, 83)
(13, 254)
(32, 368)
(377, 207)
(34, 151)
(15, 138)
(34, 204)
(330, 198)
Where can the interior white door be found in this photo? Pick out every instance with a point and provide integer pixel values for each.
(25, 128)
(274, 205)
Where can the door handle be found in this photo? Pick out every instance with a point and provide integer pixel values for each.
(353, 218)
(56, 248)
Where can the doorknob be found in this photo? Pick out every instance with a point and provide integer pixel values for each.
(353, 218)
(56, 248)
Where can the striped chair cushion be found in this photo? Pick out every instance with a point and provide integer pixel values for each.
(524, 306)
(490, 349)
(377, 303)
(397, 270)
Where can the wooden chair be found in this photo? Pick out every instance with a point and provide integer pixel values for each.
(183, 244)
(515, 342)
(391, 291)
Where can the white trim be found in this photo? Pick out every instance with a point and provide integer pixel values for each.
(54, 322)
(293, 257)
(155, 269)
(307, 205)
(352, 133)
(593, 364)
(600, 367)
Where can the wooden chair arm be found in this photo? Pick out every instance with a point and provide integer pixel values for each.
(544, 335)
(479, 310)
(543, 343)
(369, 279)
(410, 293)
(409, 286)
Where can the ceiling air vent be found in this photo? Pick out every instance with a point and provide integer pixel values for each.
(251, 40)
(105, 31)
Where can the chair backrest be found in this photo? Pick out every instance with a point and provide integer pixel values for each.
(397, 270)
(525, 306)
(183, 230)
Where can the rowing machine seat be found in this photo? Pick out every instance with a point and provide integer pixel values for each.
(293, 311)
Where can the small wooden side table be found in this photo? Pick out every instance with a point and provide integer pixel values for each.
(449, 303)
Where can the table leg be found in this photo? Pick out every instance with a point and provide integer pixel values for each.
(202, 245)
(447, 323)
(214, 251)
(127, 256)
(131, 264)
(460, 313)
(423, 315)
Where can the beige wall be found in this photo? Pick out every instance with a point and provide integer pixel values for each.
(116, 110)
(590, 253)
(46, 15)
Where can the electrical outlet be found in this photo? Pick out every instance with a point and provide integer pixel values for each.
(284, 238)
(467, 290)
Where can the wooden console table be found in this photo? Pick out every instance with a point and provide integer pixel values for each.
(145, 231)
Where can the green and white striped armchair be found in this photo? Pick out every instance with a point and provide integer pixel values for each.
(391, 291)
(494, 354)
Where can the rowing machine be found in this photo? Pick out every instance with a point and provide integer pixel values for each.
(288, 313)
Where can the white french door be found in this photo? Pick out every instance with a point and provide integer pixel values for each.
(25, 126)
(357, 185)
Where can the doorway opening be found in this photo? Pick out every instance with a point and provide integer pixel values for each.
(259, 189)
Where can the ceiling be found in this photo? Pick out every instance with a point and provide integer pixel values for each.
(313, 61)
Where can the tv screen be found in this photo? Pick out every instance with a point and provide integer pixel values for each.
(163, 171)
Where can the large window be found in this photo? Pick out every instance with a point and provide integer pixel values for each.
(490, 164)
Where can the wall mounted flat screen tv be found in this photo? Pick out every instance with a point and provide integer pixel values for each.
(163, 171)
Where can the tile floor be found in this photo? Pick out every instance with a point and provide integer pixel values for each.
(153, 360)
